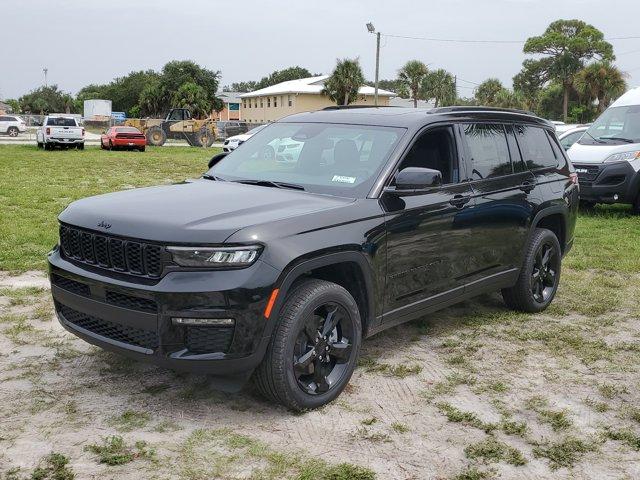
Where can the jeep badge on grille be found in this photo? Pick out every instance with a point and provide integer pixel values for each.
(104, 225)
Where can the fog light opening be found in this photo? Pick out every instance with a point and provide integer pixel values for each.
(615, 197)
(204, 322)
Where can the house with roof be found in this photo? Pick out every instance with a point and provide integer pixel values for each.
(272, 103)
(231, 106)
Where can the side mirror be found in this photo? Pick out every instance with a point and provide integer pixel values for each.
(414, 180)
(216, 158)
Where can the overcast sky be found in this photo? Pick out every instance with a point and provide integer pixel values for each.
(86, 41)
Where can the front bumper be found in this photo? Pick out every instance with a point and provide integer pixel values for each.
(608, 182)
(123, 315)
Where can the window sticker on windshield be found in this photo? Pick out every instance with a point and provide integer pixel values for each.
(343, 179)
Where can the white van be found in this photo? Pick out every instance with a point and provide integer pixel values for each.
(607, 156)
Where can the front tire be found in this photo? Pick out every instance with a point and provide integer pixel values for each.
(13, 131)
(540, 274)
(156, 136)
(314, 347)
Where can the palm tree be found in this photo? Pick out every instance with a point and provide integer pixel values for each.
(487, 91)
(411, 75)
(345, 81)
(602, 81)
(193, 97)
(439, 85)
(152, 100)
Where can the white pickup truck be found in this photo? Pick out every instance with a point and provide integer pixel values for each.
(62, 131)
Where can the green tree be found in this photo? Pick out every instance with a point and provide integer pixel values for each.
(528, 83)
(487, 92)
(14, 104)
(567, 45)
(506, 98)
(600, 81)
(45, 100)
(440, 86)
(242, 87)
(345, 81)
(411, 76)
(194, 97)
(178, 72)
(152, 101)
(395, 86)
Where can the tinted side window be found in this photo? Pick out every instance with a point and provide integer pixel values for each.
(535, 147)
(514, 150)
(489, 150)
(4, 119)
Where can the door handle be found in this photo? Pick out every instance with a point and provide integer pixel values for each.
(459, 201)
(527, 186)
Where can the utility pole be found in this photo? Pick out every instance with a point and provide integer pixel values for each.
(455, 85)
(45, 70)
(371, 29)
(375, 101)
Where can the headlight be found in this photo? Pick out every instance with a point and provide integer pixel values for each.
(215, 256)
(624, 156)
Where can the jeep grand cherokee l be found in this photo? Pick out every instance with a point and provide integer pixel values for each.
(280, 269)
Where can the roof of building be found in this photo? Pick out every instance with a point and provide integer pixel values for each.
(229, 97)
(313, 85)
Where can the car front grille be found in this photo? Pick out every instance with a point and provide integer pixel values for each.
(208, 339)
(104, 328)
(111, 253)
(589, 175)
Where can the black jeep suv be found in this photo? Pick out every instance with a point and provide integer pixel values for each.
(322, 229)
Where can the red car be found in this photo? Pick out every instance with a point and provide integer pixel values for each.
(129, 138)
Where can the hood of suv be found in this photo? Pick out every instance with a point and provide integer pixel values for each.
(598, 153)
(201, 211)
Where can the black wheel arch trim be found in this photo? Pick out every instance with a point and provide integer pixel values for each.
(547, 212)
(297, 269)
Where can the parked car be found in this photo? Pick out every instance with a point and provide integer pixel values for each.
(234, 142)
(60, 131)
(607, 156)
(126, 138)
(12, 125)
(570, 137)
(282, 270)
(226, 129)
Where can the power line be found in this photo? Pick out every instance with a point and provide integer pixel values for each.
(481, 41)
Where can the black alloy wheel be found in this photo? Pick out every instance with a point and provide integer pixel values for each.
(544, 275)
(539, 276)
(323, 349)
(313, 348)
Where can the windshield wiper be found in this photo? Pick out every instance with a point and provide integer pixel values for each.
(622, 139)
(269, 183)
(594, 138)
(208, 176)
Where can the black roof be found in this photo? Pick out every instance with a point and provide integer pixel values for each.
(413, 117)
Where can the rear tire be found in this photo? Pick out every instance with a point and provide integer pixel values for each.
(141, 149)
(539, 276)
(80, 146)
(204, 137)
(156, 136)
(314, 347)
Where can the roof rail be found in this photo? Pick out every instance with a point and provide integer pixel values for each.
(461, 108)
(348, 107)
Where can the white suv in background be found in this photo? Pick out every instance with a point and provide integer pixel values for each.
(12, 125)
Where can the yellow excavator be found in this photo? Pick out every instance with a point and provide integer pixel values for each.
(178, 125)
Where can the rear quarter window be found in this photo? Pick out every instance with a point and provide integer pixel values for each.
(536, 147)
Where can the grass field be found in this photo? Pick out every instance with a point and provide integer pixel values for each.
(471, 392)
(37, 185)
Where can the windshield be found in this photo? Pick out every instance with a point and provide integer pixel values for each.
(323, 158)
(616, 126)
(61, 122)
